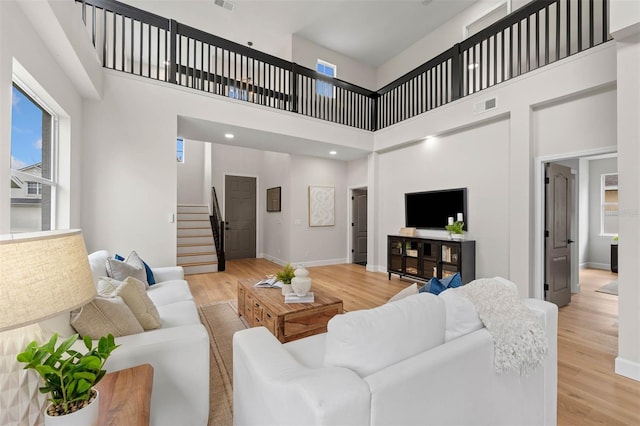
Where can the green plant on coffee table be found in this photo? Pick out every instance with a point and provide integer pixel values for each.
(68, 375)
(286, 275)
(455, 227)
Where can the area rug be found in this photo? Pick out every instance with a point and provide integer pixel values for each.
(221, 321)
(611, 288)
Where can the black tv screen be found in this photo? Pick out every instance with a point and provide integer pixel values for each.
(431, 209)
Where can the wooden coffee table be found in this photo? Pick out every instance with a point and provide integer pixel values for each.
(287, 321)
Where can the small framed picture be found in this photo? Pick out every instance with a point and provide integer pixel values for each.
(273, 199)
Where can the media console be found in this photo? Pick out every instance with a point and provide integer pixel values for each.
(424, 258)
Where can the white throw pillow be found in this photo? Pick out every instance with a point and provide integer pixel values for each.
(412, 289)
(461, 315)
(107, 287)
(369, 340)
(132, 267)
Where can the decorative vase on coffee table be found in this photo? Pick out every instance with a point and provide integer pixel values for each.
(301, 283)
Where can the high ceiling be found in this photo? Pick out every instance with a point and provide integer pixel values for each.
(369, 31)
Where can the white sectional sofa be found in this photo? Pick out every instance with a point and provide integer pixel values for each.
(178, 350)
(359, 373)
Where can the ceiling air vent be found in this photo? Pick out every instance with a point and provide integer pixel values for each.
(483, 106)
(225, 4)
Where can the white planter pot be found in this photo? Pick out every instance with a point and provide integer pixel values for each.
(88, 416)
(286, 288)
(457, 236)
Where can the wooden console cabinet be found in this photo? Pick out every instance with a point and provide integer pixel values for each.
(424, 258)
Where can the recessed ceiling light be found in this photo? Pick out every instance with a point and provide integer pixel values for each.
(332, 152)
(228, 135)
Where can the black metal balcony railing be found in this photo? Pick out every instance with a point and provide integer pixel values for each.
(543, 31)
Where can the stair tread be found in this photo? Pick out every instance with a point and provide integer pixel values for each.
(195, 244)
(203, 253)
(185, 265)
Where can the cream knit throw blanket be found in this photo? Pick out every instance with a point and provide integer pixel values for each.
(519, 338)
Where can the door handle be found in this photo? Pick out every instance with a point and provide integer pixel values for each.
(570, 241)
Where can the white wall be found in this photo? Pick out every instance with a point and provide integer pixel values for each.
(599, 245)
(306, 53)
(357, 173)
(438, 164)
(323, 245)
(436, 42)
(191, 174)
(277, 225)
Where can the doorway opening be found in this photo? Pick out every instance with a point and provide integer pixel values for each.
(359, 226)
(587, 246)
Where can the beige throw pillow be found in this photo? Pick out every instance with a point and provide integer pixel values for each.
(133, 292)
(412, 289)
(102, 316)
(107, 286)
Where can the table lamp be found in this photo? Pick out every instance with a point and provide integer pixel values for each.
(42, 275)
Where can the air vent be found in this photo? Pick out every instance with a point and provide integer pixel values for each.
(225, 4)
(483, 106)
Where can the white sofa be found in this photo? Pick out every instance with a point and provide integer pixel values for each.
(450, 383)
(178, 350)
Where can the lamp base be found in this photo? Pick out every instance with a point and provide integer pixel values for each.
(20, 400)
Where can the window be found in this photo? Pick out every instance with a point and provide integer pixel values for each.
(33, 165)
(609, 204)
(34, 188)
(180, 150)
(322, 87)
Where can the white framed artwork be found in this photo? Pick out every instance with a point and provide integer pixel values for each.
(321, 205)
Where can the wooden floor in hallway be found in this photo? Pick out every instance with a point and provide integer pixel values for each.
(589, 392)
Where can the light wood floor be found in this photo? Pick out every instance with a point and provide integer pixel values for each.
(589, 392)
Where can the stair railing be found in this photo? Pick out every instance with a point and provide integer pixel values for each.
(217, 227)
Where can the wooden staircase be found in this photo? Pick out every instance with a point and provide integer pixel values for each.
(196, 249)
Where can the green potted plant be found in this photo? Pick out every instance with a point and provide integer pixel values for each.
(69, 376)
(455, 229)
(285, 276)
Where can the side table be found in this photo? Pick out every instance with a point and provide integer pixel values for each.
(125, 397)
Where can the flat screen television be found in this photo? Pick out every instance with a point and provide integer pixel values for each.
(431, 209)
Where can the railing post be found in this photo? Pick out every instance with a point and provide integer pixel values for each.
(294, 87)
(173, 62)
(374, 111)
(457, 76)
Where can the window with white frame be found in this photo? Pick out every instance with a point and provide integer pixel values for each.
(34, 188)
(609, 204)
(180, 150)
(33, 161)
(324, 88)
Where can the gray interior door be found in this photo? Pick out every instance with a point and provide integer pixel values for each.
(359, 226)
(240, 217)
(558, 205)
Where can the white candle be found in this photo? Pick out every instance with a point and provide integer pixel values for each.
(450, 220)
(459, 219)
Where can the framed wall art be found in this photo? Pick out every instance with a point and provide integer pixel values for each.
(273, 199)
(321, 205)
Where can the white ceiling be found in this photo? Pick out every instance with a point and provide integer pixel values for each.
(369, 31)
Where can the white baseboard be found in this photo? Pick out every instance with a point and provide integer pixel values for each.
(596, 265)
(628, 368)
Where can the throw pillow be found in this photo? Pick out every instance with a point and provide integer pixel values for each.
(102, 316)
(120, 270)
(412, 289)
(134, 293)
(150, 278)
(107, 286)
(438, 285)
(461, 316)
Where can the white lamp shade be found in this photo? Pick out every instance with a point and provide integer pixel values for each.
(41, 275)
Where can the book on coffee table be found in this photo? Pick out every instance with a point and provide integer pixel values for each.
(294, 298)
